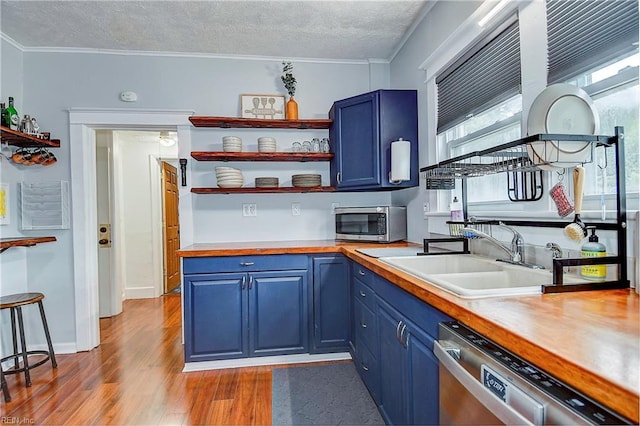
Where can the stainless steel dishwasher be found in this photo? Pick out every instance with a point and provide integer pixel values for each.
(482, 383)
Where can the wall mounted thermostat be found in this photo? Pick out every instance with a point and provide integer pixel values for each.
(128, 96)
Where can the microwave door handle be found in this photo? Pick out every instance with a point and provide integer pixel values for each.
(498, 408)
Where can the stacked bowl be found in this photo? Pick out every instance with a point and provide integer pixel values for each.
(231, 144)
(306, 180)
(267, 182)
(266, 144)
(229, 177)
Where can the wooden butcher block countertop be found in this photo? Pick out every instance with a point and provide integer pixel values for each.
(589, 340)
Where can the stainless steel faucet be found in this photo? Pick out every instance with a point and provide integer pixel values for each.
(516, 251)
(556, 251)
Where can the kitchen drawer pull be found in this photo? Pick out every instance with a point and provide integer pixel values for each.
(364, 366)
(246, 263)
(363, 324)
(361, 272)
(363, 294)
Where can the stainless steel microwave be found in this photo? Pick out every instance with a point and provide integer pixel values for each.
(383, 224)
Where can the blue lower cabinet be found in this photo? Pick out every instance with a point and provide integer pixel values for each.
(242, 314)
(393, 367)
(216, 317)
(331, 304)
(423, 380)
(278, 313)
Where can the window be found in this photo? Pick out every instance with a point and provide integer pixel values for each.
(594, 45)
(479, 103)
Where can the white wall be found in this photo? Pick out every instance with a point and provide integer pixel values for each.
(137, 217)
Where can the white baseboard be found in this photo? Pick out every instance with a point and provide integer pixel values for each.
(139, 293)
(266, 360)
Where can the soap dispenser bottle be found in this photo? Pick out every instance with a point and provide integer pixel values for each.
(593, 248)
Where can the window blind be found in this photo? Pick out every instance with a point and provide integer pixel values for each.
(486, 75)
(585, 34)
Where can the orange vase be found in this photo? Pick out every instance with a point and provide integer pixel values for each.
(292, 109)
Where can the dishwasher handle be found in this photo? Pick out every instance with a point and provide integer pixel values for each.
(502, 411)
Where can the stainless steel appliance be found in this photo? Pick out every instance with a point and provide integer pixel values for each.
(382, 224)
(484, 384)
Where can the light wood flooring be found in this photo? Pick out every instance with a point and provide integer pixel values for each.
(134, 377)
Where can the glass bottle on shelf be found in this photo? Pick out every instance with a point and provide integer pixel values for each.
(3, 122)
(11, 116)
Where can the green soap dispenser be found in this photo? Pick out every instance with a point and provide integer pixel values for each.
(593, 248)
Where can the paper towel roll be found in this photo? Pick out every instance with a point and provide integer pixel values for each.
(400, 160)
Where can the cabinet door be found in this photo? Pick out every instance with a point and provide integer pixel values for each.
(423, 380)
(331, 310)
(278, 312)
(392, 366)
(216, 316)
(355, 135)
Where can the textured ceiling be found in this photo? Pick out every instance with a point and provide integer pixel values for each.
(341, 30)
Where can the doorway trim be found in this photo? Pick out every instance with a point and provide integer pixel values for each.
(82, 157)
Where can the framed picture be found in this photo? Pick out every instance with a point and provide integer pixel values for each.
(4, 204)
(270, 107)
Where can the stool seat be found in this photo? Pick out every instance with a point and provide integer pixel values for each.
(13, 300)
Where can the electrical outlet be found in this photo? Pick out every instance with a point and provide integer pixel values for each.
(249, 210)
(295, 209)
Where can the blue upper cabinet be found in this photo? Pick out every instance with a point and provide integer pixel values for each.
(362, 131)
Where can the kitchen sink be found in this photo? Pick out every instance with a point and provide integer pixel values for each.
(470, 276)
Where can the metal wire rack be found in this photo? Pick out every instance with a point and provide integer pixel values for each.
(529, 154)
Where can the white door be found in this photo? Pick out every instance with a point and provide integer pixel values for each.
(110, 303)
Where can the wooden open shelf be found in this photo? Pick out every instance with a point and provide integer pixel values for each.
(247, 123)
(252, 190)
(6, 243)
(16, 138)
(261, 156)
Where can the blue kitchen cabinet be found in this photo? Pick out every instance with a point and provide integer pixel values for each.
(408, 370)
(256, 306)
(331, 304)
(361, 132)
(364, 342)
(216, 314)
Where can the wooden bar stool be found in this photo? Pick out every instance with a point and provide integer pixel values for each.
(15, 302)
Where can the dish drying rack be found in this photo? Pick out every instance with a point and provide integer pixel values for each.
(516, 157)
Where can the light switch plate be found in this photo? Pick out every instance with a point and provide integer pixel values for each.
(249, 210)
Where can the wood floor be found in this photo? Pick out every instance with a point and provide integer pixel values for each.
(134, 377)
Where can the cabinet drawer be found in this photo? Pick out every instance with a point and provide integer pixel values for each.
(367, 366)
(365, 326)
(364, 294)
(275, 262)
(362, 273)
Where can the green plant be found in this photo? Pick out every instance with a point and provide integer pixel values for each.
(288, 79)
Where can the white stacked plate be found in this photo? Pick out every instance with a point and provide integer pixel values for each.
(267, 182)
(229, 177)
(306, 180)
(266, 144)
(231, 144)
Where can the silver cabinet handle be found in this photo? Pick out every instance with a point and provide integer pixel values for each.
(398, 330)
(364, 366)
(363, 294)
(363, 324)
(404, 339)
(244, 282)
(361, 272)
(246, 263)
(339, 177)
(250, 281)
